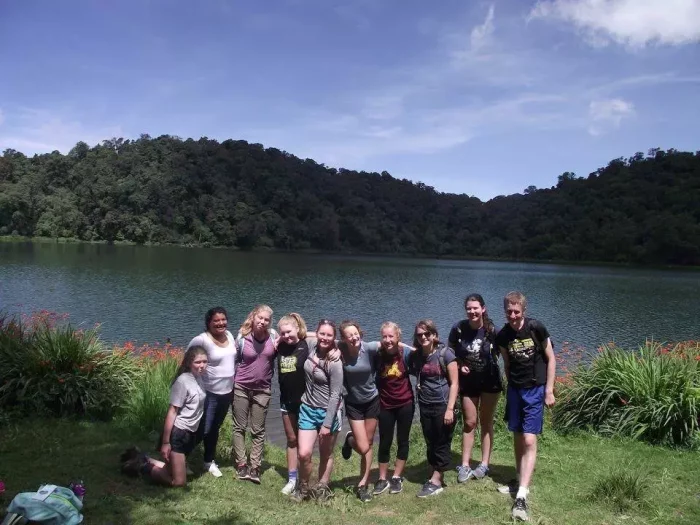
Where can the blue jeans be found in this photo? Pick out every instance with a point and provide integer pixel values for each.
(216, 407)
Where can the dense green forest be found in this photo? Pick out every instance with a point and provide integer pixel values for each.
(644, 209)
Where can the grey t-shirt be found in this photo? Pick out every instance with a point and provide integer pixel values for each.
(324, 384)
(359, 378)
(187, 393)
(433, 386)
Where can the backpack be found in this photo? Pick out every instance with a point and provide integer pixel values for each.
(60, 507)
(240, 342)
(540, 344)
(487, 348)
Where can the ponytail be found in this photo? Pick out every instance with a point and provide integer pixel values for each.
(296, 320)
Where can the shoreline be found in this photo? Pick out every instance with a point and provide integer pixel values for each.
(309, 251)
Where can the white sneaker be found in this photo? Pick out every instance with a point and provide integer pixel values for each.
(289, 487)
(213, 469)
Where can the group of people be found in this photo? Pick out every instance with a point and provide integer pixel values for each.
(319, 370)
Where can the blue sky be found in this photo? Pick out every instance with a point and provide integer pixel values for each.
(483, 98)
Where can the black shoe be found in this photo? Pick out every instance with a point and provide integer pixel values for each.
(519, 510)
(254, 476)
(364, 494)
(242, 472)
(395, 485)
(347, 449)
(380, 487)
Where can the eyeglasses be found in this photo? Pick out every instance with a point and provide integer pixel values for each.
(421, 335)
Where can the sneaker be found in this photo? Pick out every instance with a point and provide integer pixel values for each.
(213, 469)
(254, 476)
(510, 488)
(380, 487)
(289, 487)
(481, 471)
(300, 493)
(519, 510)
(395, 485)
(322, 492)
(464, 472)
(346, 451)
(429, 489)
(364, 494)
(242, 472)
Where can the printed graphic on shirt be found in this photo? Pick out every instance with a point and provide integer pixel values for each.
(431, 369)
(288, 364)
(521, 349)
(392, 371)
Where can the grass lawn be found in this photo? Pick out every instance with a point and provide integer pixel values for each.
(57, 451)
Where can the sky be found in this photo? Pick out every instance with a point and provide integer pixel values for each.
(482, 98)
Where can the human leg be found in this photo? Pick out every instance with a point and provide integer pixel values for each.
(241, 407)
(289, 423)
(487, 409)
(258, 414)
(470, 407)
(404, 421)
(387, 422)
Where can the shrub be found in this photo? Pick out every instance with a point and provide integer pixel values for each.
(651, 394)
(149, 399)
(60, 371)
(619, 489)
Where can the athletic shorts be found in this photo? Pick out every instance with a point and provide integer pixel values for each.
(183, 441)
(360, 411)
(525, 409)
(290, 408)
(311, 418)
(476, 383)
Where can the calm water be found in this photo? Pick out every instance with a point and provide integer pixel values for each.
(149, 294)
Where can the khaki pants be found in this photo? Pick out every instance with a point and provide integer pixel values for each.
(249, 407)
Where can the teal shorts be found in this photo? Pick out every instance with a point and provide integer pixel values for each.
(311, 418)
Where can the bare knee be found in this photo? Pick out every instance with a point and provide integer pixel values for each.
(469, 424)
(305, 456)
(530, 440)
(178, 482)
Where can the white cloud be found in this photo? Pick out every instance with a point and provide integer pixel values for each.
(32, 131)
(482, 34)
(632, 23)
(608, 114)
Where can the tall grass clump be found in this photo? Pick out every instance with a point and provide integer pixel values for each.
(652, 394)
(149, 399)
(50, 368)
(620, 489)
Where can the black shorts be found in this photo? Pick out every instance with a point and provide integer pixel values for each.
(183, 441)
(477, 383)
(360, 411)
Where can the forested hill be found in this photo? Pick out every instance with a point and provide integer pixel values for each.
(645, 209)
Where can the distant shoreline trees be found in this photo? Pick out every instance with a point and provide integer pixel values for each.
(641, 210)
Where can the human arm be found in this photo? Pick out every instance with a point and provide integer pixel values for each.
(167, 429)
(551, 374)
(335, 380)
(506, 361)
(452, 375)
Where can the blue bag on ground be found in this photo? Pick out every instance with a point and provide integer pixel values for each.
(61, 507)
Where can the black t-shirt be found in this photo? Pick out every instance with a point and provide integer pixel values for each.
(528, 366)
(290, 365)
(472, 347)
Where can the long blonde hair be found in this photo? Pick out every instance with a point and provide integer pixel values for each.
(295, 320)
(247, 325)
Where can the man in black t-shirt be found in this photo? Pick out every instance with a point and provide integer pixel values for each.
(530, 367)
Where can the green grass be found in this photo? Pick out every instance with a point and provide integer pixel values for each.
(570, 469)
(621, 489)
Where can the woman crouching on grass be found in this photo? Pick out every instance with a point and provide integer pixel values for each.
(318, 414)
(436, 368)
(182, 420)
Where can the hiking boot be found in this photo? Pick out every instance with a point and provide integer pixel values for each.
(254, 476)
(509, 488)
(212, 468)
(364, 494)
(464, 472)
(242, 472)
(395, 485)
(346, 451)
(380, 487)
(481, 471)
(289, 487)
(429, 489)
(519, 510)
(322, 492)
(300, 493)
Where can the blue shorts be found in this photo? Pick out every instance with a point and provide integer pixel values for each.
(311, 418)
(525, 409)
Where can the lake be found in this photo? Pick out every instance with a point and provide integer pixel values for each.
(149, 294)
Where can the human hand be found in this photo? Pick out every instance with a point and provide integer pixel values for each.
(549, 399)
(165, 451)
(464, 369)
(334, 355)
(449, 417)
(325, 431)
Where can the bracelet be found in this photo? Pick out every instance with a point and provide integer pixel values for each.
(168, 443)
